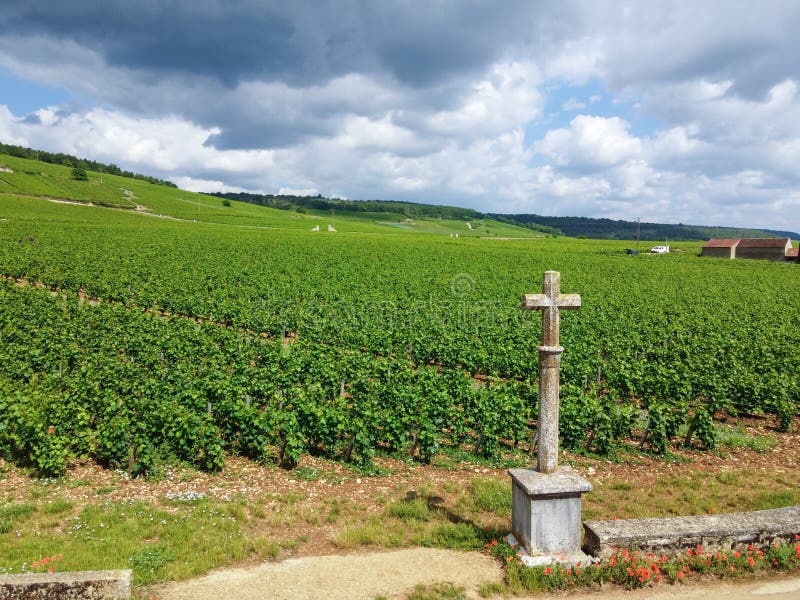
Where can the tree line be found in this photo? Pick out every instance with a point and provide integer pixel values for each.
(609, 229)
(409, 209)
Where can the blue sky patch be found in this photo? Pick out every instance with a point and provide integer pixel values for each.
(23, 97)
(564, 102)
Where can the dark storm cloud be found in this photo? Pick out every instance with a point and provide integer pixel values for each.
(755, 46)
(183, 37)
(303, 43)
(193, 57)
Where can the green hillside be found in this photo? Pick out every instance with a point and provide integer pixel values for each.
(30, 178)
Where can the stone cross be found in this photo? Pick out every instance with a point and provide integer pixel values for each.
(550, 303)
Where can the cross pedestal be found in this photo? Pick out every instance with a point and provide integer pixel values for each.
(546, 510)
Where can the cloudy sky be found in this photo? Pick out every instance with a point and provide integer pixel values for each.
(670, 111)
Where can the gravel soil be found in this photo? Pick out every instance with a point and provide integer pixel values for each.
(395, 574)
(357, 577)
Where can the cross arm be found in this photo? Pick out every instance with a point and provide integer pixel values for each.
(542, 301)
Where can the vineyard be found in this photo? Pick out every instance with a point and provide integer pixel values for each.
(138, 341)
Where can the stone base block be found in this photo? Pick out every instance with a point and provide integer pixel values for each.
(76, 585)
(573, 559)
(546, 510)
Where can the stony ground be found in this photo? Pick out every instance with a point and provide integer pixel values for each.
(355, 577)
(635, 485)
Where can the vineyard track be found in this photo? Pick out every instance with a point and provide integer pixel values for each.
(132, 207)
(334, 577)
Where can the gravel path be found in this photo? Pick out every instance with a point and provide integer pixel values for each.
(356, 577)
(393, 574)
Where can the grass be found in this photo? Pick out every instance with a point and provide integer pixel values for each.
(737, 437)
(437, 591)
(423, 518)
(408, 510)
(181, 537)
(12, 514)
(157, 544)
(491, 495)
(375, 532)
(54, 507)
(690, 492)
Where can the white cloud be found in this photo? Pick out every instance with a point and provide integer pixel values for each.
(298, 192)
(204, 185)
(590, 142)
(506, 98)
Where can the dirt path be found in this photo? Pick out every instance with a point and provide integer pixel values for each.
(394, 574)
(357, 577)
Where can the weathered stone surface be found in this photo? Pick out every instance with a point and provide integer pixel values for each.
(550, 302)
(78, 585)
(549, 375)
(713, 532)
(546, 510)
(564, 482)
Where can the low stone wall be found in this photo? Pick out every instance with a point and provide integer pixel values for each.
(78, 585)
(712, 532)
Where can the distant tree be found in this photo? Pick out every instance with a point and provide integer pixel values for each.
(226, 202)
(79, 174)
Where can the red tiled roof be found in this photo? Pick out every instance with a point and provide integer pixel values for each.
(792, 253)
(763, 242)
(720, 243)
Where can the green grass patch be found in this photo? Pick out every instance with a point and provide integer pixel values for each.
(620, 486)
(737, 437)
(455, 536)
(491, 495)
(767, 500)
(54, 507)
(407, 510)
(157, 544)
(12, 514)
(691, 492)
(437, 591)
(306, 473)
(375, 532)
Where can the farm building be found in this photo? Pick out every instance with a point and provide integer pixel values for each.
(720, 248)
(761, 248)
(792, 254)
